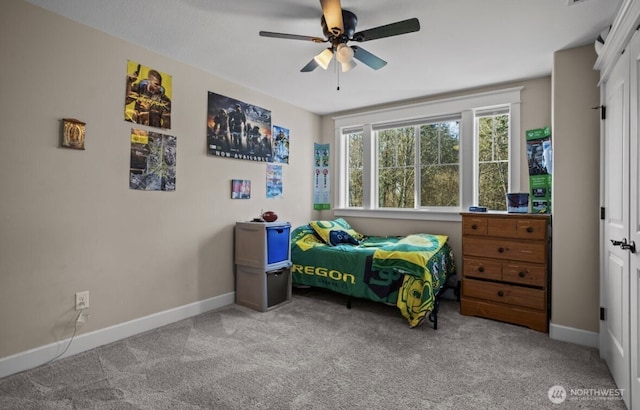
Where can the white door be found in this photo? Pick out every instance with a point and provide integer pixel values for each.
(634, 217)
(614, 286)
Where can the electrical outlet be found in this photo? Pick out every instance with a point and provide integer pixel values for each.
(82, 300)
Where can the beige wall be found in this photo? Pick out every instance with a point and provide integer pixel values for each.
(68, 220)
(576, 149)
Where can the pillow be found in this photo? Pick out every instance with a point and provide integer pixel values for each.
(336, 232)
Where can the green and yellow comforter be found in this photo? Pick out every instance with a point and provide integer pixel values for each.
(406, 271)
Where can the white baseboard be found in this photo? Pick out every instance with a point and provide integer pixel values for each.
(36, 357)
(573, 335)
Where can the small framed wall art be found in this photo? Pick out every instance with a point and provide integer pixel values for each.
(240, 189)
(73, 132)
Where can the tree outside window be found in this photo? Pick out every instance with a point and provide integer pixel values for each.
(493, 161)
(440, 164)
(355, 149)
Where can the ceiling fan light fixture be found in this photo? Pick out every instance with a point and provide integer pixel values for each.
(344, 53)
(324, 58)
(348, 66)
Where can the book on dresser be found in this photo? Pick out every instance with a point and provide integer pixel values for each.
(506, 271)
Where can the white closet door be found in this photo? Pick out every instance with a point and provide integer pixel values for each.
(614, 292)
(634, 216)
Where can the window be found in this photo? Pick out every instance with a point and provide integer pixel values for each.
(440, 164)
(355, 149)
(396, 167)
(492, 137)
(445, 156)
(435, 170)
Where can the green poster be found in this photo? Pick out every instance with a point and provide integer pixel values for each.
(540, 158)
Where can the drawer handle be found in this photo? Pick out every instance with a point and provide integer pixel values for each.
(522, 274)
(500, 293)
(474, 226)
(501, 250)
(481, 269)
(529, 229)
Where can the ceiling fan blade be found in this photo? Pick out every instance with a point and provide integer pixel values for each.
(311, 65)
(332, 12)
(388, 30)
(292, 36)
(367, 58)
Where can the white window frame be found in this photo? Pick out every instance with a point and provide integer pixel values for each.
(464, 106)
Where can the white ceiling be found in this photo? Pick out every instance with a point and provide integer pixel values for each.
(461, 44)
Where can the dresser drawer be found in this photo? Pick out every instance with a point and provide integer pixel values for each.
(474, 225)
(532, 275)
(509, 294)
(534, 229)
(503, 227)
(518, 273)
(482, 268)
(505, 249)
(524, 228)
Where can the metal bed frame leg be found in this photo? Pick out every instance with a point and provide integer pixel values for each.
(433, 316)
(348, 302)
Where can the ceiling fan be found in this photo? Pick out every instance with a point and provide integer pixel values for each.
(339, 27)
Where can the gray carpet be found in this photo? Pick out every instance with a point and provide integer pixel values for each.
(313, 353)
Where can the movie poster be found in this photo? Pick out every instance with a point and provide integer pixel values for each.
(238, 130)
(280, 145)
(148, 96)
(153, 161)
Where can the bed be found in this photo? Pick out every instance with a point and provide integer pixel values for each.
(405, 271)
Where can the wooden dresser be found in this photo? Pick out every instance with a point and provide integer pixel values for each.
(506, 268)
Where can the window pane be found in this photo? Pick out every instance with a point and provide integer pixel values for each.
(440, 164)
(355, 150)
(493, 161)
(440, 186)
(396, 172)
(494, 179)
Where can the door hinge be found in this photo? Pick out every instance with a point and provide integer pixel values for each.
(602, 213)
(602, 316)
(603, 111)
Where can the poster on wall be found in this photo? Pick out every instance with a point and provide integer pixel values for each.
(280, 145)
(274, 181)
(153, 161)
(540, 157)
(240, 189)
(321, 184)
(148, 96)
(238, 130)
